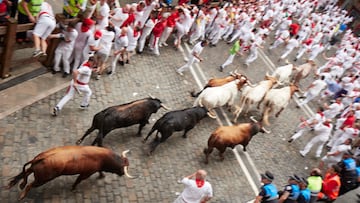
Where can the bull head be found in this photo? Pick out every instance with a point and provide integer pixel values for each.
(123, 154)
(262, 127)
(161, 104)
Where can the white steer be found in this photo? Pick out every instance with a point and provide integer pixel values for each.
(283, 73)
(253, 95)
(279, 99)
(213, 97)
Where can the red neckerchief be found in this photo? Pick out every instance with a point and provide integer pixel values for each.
(136, 33)
(199, 183)
(327, 124)
(321, 114)
(86, 64)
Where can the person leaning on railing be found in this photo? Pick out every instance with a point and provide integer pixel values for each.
(28, 10)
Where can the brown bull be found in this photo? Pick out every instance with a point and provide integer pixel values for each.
(216, 82)
(230, 136)
(70, 160)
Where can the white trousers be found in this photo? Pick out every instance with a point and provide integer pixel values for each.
(191, 60)
(154, 44)
(145, 33)
(65, 56)
(165, 35)
(300, 133)
(301, 52)
(252, 57)
(308, 98)
(84, 89)
(286, 53)
(229, 60)
(320, 140)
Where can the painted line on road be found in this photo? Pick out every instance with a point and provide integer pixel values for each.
(244, 168)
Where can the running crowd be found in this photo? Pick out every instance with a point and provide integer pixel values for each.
(110, 33)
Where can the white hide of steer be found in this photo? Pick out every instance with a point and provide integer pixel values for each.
(253, 95)
(283, 73)
(213, 97)
(277, 99)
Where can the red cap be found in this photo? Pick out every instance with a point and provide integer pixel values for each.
(97, 34)
(88, 22)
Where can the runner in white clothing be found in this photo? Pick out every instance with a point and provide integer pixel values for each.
(323, 132)
(102, 15)
(79, 83)
(194, 56)
(198, 190)
(64, 48)
(314, 90)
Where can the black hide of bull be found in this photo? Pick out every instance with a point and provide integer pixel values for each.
(124, 115)
(179, 120)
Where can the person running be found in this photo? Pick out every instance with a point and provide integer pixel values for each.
(235, 49)
(194, 56)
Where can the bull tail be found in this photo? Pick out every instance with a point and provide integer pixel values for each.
(266, 112)
(196, 94)
(14, 180)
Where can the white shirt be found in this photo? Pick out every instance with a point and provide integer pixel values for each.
(193, 194)
(318, 86)
(197, 49)
(323, 130)
(334, 109)
(82, 37)
(120, 41)
(292, 43)
(103, 11)
(84, 73)
(119, 17)
(147, 11)
(106, 41)
(70, 37)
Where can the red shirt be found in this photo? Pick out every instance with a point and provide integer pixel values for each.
(171, 20)
(129, 20)
(294, 29)
(159, 28)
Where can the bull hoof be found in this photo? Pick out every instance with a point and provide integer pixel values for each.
(144, 140)
(206, 162)
(79, 142)
(244, 149)
(22, 185)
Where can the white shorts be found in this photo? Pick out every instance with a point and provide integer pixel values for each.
(44, 26)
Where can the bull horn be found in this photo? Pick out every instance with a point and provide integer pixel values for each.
(165, 107)
(126, 173)
(267, 74)
(152, 97)
(232, 73)
(266, 131)
(250, 83)
(123, 154)
(253, 119)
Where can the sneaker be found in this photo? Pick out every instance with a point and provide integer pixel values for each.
(55, 111)
(54, 71)
(302, 153)
(290, 140)
(160, 45)
(84, 106)
(180, 73)
(109, 72)
(246, 65)
(121, 63)
(98, 77)
(37, 53)
(221, 68)
(317, 156)
(165, 44)
(65, 75)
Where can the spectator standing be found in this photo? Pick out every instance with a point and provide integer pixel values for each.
(84, 30)
(64, 49)
(103, 54)
(331, 184)
(43, 28)
(102, 15)
(314, 184)
(28, 10)
(305, 194)
(268, 192)
(72, 8)
(291, 191)
(198, 190)
(120, 44)
(348, 176)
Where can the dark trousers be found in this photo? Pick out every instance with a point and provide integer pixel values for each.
(22, 19)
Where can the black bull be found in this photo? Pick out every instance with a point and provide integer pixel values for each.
(179, 120)
(124, 115)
